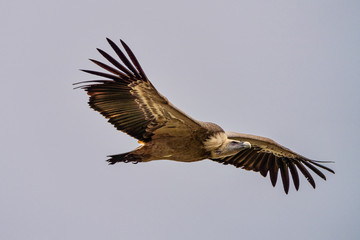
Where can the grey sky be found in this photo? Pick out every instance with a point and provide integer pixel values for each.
(289, 70)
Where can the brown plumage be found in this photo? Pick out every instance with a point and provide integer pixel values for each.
(129, 101)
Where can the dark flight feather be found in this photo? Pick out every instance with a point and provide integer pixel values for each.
(124, 59)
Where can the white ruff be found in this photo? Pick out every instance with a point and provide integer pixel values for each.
(215, 141)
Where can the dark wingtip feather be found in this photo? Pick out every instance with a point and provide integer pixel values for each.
(133, 59)
(316, 163)
(103, 53)
(110, 69)
(284, 175)
(122, 42)
(101, 74)
(114, 62)
(305, 173)
(295, 175)
(111, 42)
(263, 165)
(314, 169)
(91, 81)
(322, 161)
(124, 59)
(273, 169)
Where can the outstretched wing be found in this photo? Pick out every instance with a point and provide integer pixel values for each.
(127, 98)
(266, 155)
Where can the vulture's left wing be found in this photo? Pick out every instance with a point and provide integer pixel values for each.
(266, 155)
(127, 98)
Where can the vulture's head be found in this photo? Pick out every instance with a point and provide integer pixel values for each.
(220, 146)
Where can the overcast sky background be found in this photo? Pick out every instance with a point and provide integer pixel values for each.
(289, 70)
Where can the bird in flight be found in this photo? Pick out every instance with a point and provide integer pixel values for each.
(125, 96)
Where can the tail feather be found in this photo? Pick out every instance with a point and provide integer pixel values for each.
(124, 157)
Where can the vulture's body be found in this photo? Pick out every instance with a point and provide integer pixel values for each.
(132, 104)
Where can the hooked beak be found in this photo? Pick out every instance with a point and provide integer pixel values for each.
(246, 145)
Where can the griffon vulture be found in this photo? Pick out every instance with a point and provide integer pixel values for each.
(126, 97)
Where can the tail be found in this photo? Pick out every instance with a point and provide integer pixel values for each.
(124, 157)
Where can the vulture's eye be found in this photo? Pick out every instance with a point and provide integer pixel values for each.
(234, 142)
